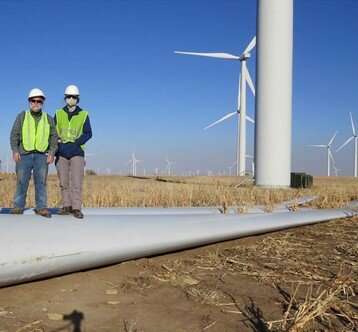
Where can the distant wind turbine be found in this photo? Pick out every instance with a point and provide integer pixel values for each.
(134, 161)
(230, 169)
(241, 107)
(329, 152)
(8, 161)
(252, 164)
(355, 138)
(169, 166)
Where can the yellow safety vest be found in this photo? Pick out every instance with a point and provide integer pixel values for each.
(70, 130)
(35, 137)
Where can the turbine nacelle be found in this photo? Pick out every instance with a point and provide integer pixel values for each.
(245, 56)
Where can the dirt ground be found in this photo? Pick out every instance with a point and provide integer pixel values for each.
(303, 279)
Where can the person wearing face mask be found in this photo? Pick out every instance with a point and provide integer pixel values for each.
(74, 130)
(33, 141)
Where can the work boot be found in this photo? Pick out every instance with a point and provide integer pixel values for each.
(17, 211)
(66, 210)
(77, 214)
(43, 212)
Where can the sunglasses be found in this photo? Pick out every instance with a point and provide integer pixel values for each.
(72, 97)
(36, 101)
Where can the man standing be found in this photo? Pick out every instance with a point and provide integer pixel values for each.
(33, 142)
(74, 130)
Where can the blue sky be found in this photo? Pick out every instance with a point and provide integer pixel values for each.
(141, 97)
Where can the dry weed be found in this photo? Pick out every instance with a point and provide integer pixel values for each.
(122, 191)
(327, 307)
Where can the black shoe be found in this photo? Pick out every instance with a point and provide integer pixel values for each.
(17, 211)
(66, 210)
(77, 214)
(43, 212)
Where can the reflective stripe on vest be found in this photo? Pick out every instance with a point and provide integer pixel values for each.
(35, 137)
(70, 130)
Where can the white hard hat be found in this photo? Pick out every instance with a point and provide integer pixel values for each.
(36, 93)
(72, 90)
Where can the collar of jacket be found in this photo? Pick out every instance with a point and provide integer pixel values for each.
(36, 114)
(76, 111)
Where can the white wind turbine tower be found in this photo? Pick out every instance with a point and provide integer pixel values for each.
(355, 138)
(134, 161)
(329, 152)
(241, 108)
(169, 166)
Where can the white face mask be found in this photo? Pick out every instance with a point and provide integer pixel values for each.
(71, 102)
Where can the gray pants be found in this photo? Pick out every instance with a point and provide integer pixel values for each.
(70, 173)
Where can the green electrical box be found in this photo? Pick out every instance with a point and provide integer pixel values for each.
(301, 180)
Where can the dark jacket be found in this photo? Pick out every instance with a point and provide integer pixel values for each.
(69, 150)
(16, 134)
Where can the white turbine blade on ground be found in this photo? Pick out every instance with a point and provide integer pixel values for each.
(251, 45)
(333, 137)
(249, 80)
(318, 146)
(345, 143)
(353, 126)
(250, 119)
(227, 116)
(225, 56)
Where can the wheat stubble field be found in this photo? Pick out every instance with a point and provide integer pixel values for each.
(302, 279)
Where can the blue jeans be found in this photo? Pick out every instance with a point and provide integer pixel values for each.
(36, 163)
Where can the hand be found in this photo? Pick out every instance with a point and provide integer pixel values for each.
(16, 156)
(50, 158)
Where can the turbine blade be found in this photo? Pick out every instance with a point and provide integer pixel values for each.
(345, 143)
(331, 157)
(318, 146)
(250, 119)
(249, 80)
(353, 126)
(226, 56)
(238, 95)
(227, 116)
(250, 46)
(333, 137)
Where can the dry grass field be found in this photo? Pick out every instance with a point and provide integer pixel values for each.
(303, 279)
(122, 191)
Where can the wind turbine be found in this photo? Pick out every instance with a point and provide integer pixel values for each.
(88, 154)
(241, 107)
(230, 169)
(8, 161)
(252, 164)
(329, 152)
(169, 165)
(336, 170)
(134, 161)
(355, 138)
